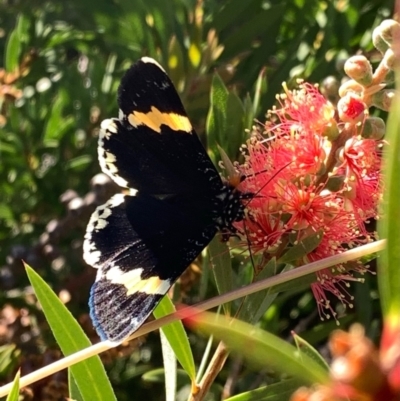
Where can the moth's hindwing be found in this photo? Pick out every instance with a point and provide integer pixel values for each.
(140, 246)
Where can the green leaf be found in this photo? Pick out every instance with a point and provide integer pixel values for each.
(302, 248)
(221, 262)
(79, 163)
(177, 337)
(259, 348)
(90, 376)
(226, 119)
(255, 305)
(15, 43)
(170, 368)
(274, 392)
(158, 376)
(389, 225)
(57, 125)
(13, 51)
(13, 395)
(216, 118)
(8, 358)
(261, 88)
(235, 125)
(23, 25)
(248, 115)
(74, 392)
(310, 351)
(106, 84)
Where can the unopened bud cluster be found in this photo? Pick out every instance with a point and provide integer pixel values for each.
(367, 87)
(358, 372)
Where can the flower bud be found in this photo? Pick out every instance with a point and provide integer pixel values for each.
(351, 109)
(390, 77)
(359, 69)
(330, 87)
(373, 128)
(389, 60)
(318, 393)
(350, 86)
(331, 131)
(389, 30)
(356, 361)
(383, 99)
(335, 183)
(378, 41)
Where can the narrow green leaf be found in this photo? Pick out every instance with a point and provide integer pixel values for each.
(89, 375)
(15, 43)
(234, 135)
(255, 305)
(177, 337)
(170, 368)
(106, 84)
(8, 358)
(310, 351)
(221, 262)
(13, 51)
(261, 87)
(23, 25)
(74, 392)
(389, 225)
(14, 393)
(274, 392)
(57, 125)
(158, 376)
(249, 115)
(302, 248)
(79, 163)
(216, 118)
(226, 120)
(259, 348)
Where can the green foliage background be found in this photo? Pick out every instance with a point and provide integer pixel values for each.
(61, 64)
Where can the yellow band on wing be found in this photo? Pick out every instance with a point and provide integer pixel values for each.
(133, 283)
(155, 118)
(153, 285)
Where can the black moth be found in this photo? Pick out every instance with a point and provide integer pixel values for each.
(142, 242)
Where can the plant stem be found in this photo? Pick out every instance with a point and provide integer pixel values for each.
(215, 366)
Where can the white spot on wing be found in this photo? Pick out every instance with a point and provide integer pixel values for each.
(98, 221)
(107, 160)
(108, 127)
(151, 60)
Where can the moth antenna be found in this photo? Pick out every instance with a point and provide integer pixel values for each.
(263, 186)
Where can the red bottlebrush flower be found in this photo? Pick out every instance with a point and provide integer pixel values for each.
(303, 185)
(307, 205)
(307, 107)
